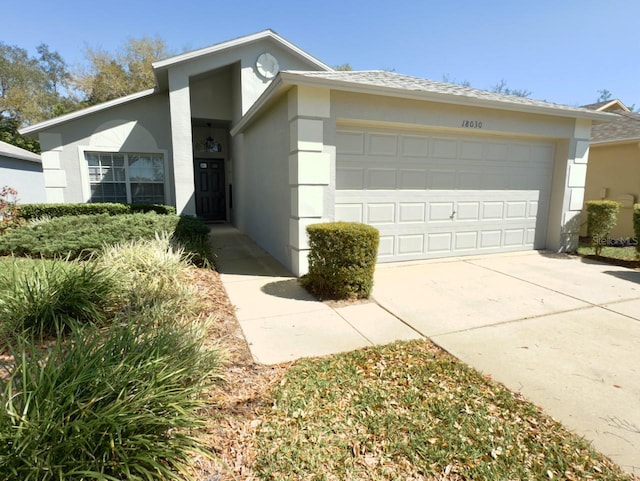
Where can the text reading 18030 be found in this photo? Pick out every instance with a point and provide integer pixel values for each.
(472, 124)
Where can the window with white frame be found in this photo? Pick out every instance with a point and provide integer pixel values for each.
(126, 177)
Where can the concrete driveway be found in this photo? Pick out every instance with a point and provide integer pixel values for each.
(563, 331)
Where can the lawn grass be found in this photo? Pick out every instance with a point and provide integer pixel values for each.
(409, 411)
(620, 253)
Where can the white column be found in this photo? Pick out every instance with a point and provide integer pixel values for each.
(309, 168)
(181, 140)
(564, 229)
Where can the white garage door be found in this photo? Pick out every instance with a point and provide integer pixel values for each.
(438, 196)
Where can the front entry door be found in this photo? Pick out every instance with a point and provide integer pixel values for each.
(210, 189)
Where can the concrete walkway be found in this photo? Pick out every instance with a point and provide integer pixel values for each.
(562, 331)
(281, 320)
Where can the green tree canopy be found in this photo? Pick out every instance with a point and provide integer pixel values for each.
(112, 75)
(32, 88)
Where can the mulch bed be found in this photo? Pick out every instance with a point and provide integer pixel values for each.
(630, 264)
(233, 408)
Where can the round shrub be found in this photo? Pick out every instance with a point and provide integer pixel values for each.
(602, 216)
(342, 259)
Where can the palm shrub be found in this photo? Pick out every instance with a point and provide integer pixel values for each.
(601, 219)
(342, 259)
(46, 297)
(112, 404)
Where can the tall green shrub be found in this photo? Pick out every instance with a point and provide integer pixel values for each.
(35, 211)
(342, 259)
(602, 216)
(636, 224)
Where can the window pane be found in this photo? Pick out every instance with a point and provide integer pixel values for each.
(143, 167)
(108, 177)
(147, 193)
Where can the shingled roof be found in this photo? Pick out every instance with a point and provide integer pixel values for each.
(625, 126)
(385, 79)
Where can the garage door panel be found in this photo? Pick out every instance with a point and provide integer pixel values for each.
(514, 237)
(350, 178)
(468, 211)
(410, 244)
(444, 148)
(414, 146)
(382, 144)
(412, 179)
(439, 242)
(411, 212)
(516, 210)
(466, 241)
(439, 211)
(446, 196)
(381, 179)
(349, 212)
(381, 213)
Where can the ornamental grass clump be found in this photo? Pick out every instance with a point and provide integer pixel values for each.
(602, 216)
(45, 298)
(112, 404)
(342, 259)
(153, 275)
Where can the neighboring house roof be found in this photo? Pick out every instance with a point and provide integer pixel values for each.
(382, 82)
(625, 127)
(608, 106)
(8, 150)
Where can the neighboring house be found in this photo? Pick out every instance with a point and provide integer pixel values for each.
(22, 170)
(259, 133)
(614, 164)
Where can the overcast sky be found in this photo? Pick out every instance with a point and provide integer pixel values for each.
(562, 51)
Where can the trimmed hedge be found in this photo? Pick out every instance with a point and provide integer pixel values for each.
(81, 236)
(636, 224)
(342, 259)
(35, 211)
(602, 216)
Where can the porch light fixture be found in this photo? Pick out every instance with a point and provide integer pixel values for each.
(210, 144)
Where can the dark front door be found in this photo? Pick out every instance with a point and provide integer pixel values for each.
(210, 189)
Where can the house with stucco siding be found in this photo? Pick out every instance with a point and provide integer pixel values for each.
(614, 164)
(259, 133)
(21, 170)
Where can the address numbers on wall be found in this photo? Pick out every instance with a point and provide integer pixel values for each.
(472, 124)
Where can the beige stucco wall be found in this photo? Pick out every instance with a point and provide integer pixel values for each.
(613, 172)
(138, 126)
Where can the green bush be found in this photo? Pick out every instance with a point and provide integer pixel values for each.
(80, 237)
(601, 218)
(109, 404)
(35, 211)
(636, 224)
(48, 297)
(342, 259)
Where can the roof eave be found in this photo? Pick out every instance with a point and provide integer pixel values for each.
(36, 128)
(276, 88)
(161, 67)
(291, 78)
(619, 141)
